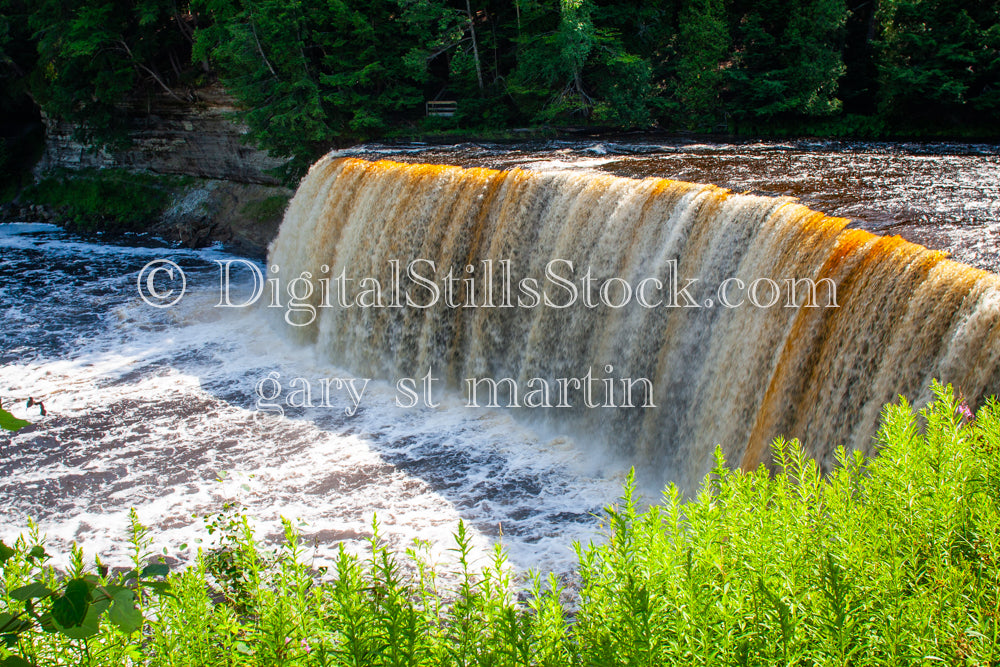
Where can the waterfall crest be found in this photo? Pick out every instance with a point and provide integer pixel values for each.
(734, 376)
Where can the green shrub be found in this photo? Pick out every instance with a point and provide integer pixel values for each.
(114, 200)
(265, 210)
(80, 617)
(887, 560)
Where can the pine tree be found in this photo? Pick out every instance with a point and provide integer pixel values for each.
(96, 56)
(703, 43)
(788, 58)
(939, 60)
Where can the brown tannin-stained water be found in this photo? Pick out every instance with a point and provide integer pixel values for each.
(565, 303)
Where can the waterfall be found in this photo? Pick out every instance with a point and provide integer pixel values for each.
(733, 376)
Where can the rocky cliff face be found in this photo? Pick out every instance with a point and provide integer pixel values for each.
(243, 216)
(232, 197)
(170, 136)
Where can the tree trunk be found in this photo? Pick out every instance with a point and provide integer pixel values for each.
(475, 47)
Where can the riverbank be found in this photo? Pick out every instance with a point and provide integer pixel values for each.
(185, 172)
(181, 170)
(943, 195)
(194, 212)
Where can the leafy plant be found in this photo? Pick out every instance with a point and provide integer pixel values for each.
(9, 422)
(887, 560)
(265, 210)
(114, 200)
(46, 612)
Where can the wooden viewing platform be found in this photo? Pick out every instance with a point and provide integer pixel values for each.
(442, 108)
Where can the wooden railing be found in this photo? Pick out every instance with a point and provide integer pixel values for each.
(442, 108)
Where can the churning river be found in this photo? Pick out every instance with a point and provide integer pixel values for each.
(174, 411)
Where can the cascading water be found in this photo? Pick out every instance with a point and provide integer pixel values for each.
(737, 376)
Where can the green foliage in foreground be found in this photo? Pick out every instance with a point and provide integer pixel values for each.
(113, 200)
(888, 560)
(9, 422)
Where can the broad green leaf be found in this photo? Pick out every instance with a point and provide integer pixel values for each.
(112, 590)
(158, 586)
(9, 422)
(156, 570)
(88, 628)
(161, 587)
(49, 625)
(91, 622)
(123, 612)
(6, 553)
(70, 609)
(15, 661)
(34, 590)
(121, 594)
(11, 623)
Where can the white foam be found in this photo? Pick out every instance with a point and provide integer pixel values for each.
(151, 410)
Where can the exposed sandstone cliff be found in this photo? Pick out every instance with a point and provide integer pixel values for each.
(233, 196)
(169, 136)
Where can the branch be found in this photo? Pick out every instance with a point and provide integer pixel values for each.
(446, 47)
(187, 32)
(156, 77)
(475, 47)
(260, 48)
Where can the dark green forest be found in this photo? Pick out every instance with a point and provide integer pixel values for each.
(311, 75)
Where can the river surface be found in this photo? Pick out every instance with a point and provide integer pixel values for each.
(156, 408)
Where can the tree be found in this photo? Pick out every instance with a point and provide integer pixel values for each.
(96, 56)
(570, 68)
(551, 64)
(259, 48)
(939, 60)
(17, 53)
(308, 76)
(787, 59)
(703, 43)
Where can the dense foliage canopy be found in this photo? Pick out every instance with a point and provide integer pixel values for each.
(309, 75)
